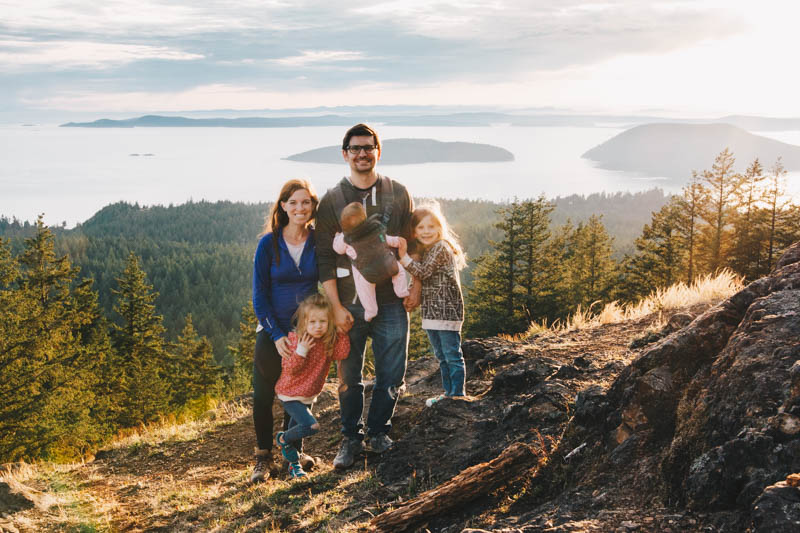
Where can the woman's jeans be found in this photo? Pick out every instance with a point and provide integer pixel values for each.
(447, 348)
(266, 371)
(389, 333)
(300, 421)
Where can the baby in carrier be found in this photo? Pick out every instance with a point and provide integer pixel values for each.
(365, 242)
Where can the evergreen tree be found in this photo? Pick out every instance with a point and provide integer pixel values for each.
(720, 185)
(747, 251)
(141, 355)
(660, 257)
(239, 370)
(535, 268)
(494, 299)
(690, 204)
(777, 206)
(591, 268)
(48, 354)
(560, 254)
(196, 375)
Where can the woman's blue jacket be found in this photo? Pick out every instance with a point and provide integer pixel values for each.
(279, 287)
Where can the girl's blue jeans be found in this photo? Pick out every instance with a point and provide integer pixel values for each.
(447, 348)
(300, 421)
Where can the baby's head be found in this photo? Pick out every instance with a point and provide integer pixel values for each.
(352, 215)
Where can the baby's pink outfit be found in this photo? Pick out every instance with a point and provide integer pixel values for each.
(365, 289)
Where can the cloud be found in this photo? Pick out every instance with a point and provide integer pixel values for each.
(51, 50)
(59, 55)
(312, 57)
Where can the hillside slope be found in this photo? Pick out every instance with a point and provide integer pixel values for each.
(693, 432)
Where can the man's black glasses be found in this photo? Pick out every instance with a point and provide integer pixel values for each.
(355, 148)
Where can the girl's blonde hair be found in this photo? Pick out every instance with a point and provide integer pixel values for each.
(316, 301)
(446, 233)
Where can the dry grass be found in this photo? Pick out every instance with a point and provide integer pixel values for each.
(707, 289)
(59, 503)
(169, 429)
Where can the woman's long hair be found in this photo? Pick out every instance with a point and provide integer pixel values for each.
(316, 301)
(445, 232)
(279, 219)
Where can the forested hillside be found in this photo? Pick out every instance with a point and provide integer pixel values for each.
(198, 255)
(142, 312)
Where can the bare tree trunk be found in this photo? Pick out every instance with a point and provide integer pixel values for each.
(471, 483)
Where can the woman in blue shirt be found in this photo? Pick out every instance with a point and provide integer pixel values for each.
(284, 273)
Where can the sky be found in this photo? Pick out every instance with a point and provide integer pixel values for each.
(672, 58)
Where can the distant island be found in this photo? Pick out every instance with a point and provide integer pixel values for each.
(675, 150)
(462, 119)
(414, 151)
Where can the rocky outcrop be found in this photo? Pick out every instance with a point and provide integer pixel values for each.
(708, 418)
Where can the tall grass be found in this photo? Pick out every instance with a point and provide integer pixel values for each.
(704, 290)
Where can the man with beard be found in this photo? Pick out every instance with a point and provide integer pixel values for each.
(361, 150)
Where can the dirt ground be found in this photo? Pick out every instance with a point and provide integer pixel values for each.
(198, 480)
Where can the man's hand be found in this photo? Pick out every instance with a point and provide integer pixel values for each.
(411, 301)
(342, 318)
(282, 345)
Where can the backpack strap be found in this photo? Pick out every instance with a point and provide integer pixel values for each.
(387, 199)
(339, 202)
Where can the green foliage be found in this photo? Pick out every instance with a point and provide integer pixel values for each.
(239, 367)
(526, 278)
(719, 187)
(195, 374)
(69, 379)
(51, 344)
(661, 254)
(721, 219)
(141, 358)
(591, 267)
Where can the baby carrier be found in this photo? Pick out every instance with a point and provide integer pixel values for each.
(376, 261)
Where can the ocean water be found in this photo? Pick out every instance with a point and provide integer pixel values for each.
(70, 173)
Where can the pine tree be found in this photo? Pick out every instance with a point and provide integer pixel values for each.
(48, 354)
(690, 204)
(239, 370)
(535, 267)
(141, 355)
(592, 268)
(774, 197)
(747, 252)
(661, 253)
(196, 375)
(495, 300)
(721, 185)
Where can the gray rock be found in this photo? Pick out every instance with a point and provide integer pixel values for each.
(777, 510)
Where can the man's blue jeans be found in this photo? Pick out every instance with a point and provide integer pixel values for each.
(447, 348)
(389, 333)
(300, 421)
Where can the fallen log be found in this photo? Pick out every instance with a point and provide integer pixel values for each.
(471, 483)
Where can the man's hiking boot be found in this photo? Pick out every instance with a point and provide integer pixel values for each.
(264, 464)
(347, 453)
(296, 471)
(380, 443)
